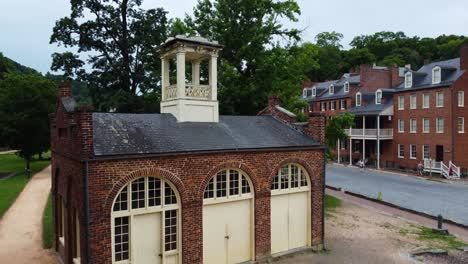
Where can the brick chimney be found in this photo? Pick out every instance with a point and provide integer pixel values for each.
(426, 61)
(316, 127)
(65, 89)
(464, 56)
(395, 77)
(273, 101)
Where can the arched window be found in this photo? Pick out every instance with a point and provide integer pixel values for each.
(408, 80)
(152, 203)
(436, 75)
(290, 177)
(331, 90)
(358, 99)
(346, 87)
(227, 184)
(378, 97)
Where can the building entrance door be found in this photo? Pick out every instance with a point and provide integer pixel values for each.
(439, 153)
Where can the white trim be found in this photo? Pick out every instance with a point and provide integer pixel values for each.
(333, 105)
(424, 106)
(408, 80)
(428, 150)
(401, 102)
(438, 119)
(411, 151)
(378, 95)
(358, 95)
(415, 98)
(346, 87)
(463, 125)
(440, 94)
(424, 126)
(461, 98)
(342, 103)
(415, 125)
(331, 89)
(401, 126)
(314, 91)
(439, 77)
(399, 151)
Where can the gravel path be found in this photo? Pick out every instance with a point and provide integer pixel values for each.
(21, 225)
(420, 195)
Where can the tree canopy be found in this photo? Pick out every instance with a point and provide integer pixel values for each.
(335, 129)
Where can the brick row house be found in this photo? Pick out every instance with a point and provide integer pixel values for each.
(417, 116)
(185, 186)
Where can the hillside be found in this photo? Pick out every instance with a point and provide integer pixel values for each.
(8, 65)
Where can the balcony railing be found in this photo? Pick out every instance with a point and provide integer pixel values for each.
(369, 133)
(191, 91)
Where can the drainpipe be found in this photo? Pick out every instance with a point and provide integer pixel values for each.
(454, 125)
(86, 201)
(323, 203)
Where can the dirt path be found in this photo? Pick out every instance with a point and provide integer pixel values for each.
(21, 226)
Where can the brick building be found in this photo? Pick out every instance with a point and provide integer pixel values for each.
(187, 185)
(402, 116)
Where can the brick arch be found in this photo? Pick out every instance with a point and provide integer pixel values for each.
(301, 162)
(156, 172)
(240, 165)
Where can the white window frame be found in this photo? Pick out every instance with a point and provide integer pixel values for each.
(424, 121)
(461, 98)
(303, 182)
(401, 126)
(331, 89)
(401, 102)
(408, 80)
(314, 91)
(413, 101)
(400, 146)
(426, 105)
(411, 151)
(428, 156)
(358, 99)
(413, 125)
(378, 96)
(332, 105)
(342, 103)
(323, 106)
(346, 87)
(461, 125)
(438, 125)
(436, 78)
(304, 93)
(440, 97)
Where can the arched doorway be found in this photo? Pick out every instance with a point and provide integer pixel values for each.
(290, 209)
(146, 223)
(228, 222)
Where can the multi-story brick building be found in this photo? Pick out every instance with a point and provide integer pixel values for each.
(185, 186)
(405, 117)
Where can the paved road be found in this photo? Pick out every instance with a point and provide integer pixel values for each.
(429, 197)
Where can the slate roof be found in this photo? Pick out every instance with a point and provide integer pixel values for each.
(322, 88)
(132, 134)
(372, 108)
(422, 79)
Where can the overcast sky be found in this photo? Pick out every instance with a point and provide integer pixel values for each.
(26, 25)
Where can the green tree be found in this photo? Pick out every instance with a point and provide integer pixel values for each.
(25, 102)
(355, 57)
(247, 29)
(335, 129)
(327, 39)
(119, 39)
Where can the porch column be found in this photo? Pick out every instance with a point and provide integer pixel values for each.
(350, 148)
(363, 138)
(338, 150)
(164, 77)
(378, 142)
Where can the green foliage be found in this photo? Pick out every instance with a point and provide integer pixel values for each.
(25, 102)
(119, 39)
(331, 202)
(336, 128)
(329, 39)
(438, 240)
(11, 187)
(47, 224)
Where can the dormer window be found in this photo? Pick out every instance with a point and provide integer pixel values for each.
(314, 92)
(358, 99)
(346, 87)
(378, 97)
(436, 75)
(304, 93)
(331, 90)
(408, 80)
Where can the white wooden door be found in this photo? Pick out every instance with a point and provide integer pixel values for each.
(289, 220)
(146, 241)
(227, 232)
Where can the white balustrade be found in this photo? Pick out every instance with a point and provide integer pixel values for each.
(198, 91)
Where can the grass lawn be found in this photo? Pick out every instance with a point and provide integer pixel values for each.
(47, 224)
(331, 202)
(11, 187)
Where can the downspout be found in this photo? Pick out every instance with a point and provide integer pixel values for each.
(323, 201)
(86, 201)
(454, 127)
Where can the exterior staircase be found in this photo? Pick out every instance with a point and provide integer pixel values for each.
(450, 171)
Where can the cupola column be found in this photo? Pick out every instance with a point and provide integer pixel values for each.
(180, 74)
(213, 76)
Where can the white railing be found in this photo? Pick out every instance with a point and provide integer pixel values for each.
(369, 132)
(198, 91)
(450, 172)
(170, 92)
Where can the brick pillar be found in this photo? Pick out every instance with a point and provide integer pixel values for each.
(65, 89)
(273, 101)
(86, 130)
(464, 56)
(316, 127)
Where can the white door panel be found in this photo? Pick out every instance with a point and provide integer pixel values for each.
(279, 223)
(298, 219)
(146, 242)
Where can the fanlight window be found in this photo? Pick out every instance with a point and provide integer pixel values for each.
(289, 177)
(227, 184)
(141, 196)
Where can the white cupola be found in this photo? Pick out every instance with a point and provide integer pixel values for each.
(190, 101)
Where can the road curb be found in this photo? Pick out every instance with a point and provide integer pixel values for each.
(448, 221)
